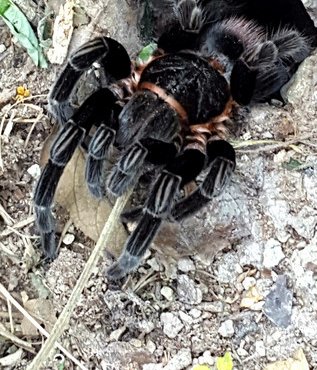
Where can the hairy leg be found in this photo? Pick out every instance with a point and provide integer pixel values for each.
(92, 112)
(184, 168)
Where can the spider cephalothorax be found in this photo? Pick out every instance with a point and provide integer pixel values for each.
(170, 113)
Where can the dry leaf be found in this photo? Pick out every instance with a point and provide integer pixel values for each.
(86, 212)
(298, 362)
(42, 309)
(251, 297)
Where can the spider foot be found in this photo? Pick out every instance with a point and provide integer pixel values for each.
(49, 245)
(125, 264)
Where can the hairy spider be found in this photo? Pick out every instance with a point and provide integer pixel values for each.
(171, 113)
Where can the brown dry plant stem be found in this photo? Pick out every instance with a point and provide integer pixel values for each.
(105, 238)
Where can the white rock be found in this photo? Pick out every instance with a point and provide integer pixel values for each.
(260, 348)
(187, 290)
(305, 321)
(251, 254)
(273, 253)
(186, 264)
(282, 235)
(180, 361)
(248, 282)
(305, 222)
(116, 334)
(228, 268)
(136, 342)
(214, 307)
(151, 347)
(168, 293)
(34, 171)
(226, 329)
(185, 318)
(68, 239)
(242, 352)
(195, 313)
(146, 326)
(2, 48)
(154, 264)
(171, 324)
(207, 359)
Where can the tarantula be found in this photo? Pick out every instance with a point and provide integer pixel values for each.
(170, 112)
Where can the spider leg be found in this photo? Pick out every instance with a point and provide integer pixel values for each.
(221, 159)
(107, 52)
(184, 168)
(129, 168)
(221, 164)
(92, 112)
(99, 149)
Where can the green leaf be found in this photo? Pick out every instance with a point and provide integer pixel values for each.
(225, 362)
(4, 5)
(147, 52)
(22, 30)
(201, 367)
(292, 164)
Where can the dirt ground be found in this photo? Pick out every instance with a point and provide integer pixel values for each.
(207, 286)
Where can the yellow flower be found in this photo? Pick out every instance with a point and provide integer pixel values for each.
(22, 92)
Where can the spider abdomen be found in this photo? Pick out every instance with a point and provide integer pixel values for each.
(199, 88)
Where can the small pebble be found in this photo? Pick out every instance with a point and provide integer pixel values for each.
(167, 293)
(273, 253)
(116, 334)
(34, 171)
(185, 318)
(146, 326)
(195, 313)
(171, 324)
(180, 361)
(206, 359)
(187, 290)
(186, 265)
(226, 329)
(214, 307)
(68, 239)
(151, 347)
(248, 282)
(260, 348)
(136, 342)
(154, 264)
(242, 352)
